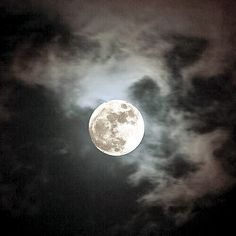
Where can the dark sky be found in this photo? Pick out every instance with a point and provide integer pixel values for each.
(174, 60)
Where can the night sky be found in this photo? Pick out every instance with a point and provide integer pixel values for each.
(174, 60)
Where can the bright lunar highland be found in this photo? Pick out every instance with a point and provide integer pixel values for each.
(116, 127)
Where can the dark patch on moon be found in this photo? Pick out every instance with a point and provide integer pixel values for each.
(104, 136)
(124, 106)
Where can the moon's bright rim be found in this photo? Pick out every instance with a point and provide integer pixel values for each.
(116, 127)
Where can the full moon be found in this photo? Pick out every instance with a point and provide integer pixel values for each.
(116, 127)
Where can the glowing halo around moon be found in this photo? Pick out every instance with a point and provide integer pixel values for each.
(116, 127)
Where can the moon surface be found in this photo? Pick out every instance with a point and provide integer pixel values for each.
(116, 127)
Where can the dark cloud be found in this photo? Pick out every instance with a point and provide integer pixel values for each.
(213, 100)
(28, 135)
(31, 26)
(180, 167)
(226, 155)
(165, 148)
(147, 92)
(186, 50)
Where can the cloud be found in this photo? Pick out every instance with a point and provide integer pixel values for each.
(190, 128)
(174, 63)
